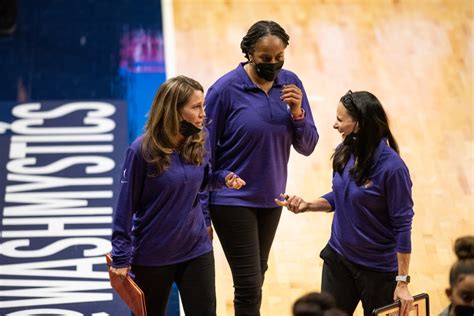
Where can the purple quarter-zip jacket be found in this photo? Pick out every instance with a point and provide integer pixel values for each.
(251, 134)
(373, 222)
(158, 220)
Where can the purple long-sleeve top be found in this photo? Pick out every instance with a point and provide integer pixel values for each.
(373, 222)
(158, 219)
(251, 133)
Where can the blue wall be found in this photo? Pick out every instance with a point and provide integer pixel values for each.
(85, 50)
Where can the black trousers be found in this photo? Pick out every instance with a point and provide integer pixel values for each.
(350, 283)
(246, 235)
(195, 279)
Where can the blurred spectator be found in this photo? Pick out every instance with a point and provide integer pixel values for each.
(461, 279)
(316, 304)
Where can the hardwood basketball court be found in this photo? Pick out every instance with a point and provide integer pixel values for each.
(415, 56)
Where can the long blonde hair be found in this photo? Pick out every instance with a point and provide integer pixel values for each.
(162, 126)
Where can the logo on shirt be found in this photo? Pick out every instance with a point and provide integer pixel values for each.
(368, 184)
(124, 176)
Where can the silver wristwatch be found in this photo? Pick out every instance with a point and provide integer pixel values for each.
(402, 278)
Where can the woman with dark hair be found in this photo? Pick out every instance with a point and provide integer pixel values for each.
(159, 229)
(461, 279)
(316, 304)
(368, 255)
(256, 112)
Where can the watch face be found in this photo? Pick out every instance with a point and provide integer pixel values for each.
(403, 278)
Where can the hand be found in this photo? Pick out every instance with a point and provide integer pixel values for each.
(210, 232)
(233, 181)
(406, 300)
(120, 272)
(292, 95)
(293, 203)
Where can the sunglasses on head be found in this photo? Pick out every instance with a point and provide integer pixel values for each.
(349, 103)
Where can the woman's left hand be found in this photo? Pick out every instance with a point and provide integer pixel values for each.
(233, 181)
(292, 95)
(406, 300)
(210, 232)
(293, 203)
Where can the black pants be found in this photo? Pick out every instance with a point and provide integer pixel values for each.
(246, 235)
(350, 283)
(195, 279)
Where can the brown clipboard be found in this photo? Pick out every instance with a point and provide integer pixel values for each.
(128, 291)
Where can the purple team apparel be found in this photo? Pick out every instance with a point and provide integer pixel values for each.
(159, 220)
(251, 133)
(373, 222)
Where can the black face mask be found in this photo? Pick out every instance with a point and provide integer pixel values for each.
(188, 129)
(268, 71)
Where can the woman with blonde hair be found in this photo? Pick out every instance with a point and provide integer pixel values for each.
(160, 232)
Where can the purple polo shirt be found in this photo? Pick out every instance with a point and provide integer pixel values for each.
(373, 222)
(158, 220)
(251, 134)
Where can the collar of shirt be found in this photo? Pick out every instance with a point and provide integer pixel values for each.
(378, 152)
(380, 148)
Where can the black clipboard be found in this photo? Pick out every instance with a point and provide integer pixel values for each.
(421, 307)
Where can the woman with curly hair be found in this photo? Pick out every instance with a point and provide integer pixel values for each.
(461, 279)
(257, 112)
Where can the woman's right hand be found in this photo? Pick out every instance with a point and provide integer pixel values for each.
(120, 272)
(233, 181)
(293, 203)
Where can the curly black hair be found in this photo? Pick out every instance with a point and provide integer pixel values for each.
(464, 249)
(259, 30)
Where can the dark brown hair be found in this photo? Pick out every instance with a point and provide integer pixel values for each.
(364, 108)
(464, 249)
(316, 304)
